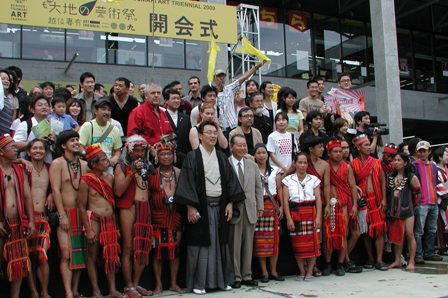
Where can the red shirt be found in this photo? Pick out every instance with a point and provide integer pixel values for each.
(144, 121)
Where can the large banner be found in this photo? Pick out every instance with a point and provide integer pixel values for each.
(163, 18)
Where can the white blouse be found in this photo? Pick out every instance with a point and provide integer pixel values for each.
(301, 192)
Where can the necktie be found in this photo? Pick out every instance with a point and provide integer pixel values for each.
(240, 174)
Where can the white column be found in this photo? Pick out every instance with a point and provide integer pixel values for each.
(387, 77)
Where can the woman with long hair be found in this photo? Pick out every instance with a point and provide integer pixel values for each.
(287, 102)
(11, 103)
(76, 110)
(207, 112)
(302, 206)
(340, 128)
(402, 188)
(266, 238)
(269, 106)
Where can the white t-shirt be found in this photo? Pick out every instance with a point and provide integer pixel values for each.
(280, 144)
(301, 192)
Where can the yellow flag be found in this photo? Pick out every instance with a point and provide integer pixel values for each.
(248, 48)
(213, 51)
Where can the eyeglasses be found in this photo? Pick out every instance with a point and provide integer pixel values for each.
(248, 116)
(211, 133)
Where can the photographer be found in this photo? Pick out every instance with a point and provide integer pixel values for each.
(131, 190)
(166, 220)
(362, 120)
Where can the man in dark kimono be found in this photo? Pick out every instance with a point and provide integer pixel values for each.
(208, 187)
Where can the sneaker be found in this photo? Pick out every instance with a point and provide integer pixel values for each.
(339, 271)
(327, 270)
(434, 257)
(419, 260)
(199, 291)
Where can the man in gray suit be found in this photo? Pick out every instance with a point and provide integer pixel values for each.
(242, 226)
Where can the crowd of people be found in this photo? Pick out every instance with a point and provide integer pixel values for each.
(122, 181)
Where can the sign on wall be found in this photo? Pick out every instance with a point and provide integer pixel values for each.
(162, 18)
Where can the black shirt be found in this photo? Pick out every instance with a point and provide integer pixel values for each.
(263, 124)
(249, 142)
(122, 114)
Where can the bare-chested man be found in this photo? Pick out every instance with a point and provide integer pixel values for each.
(65, 177)
(96, 206)
(343, 195)
(16, 210)
(370, 178)
(39, 243)
(134, 212)
(314, 147)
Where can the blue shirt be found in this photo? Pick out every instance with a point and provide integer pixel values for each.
(61, 123)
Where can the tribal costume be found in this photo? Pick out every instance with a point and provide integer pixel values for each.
(335, 224)
(166, 220)
(302, 206)
(108, 227)
(399, 206)
(39, 243)
(15, 251)
(77, 240)
(266, 237)
(143, 232)
(375, 217)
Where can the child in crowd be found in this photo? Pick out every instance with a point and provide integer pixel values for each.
(59, 120)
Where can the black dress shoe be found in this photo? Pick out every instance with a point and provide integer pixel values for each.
(250, 283)
(264, 279)
(277, 278)
(236, 285)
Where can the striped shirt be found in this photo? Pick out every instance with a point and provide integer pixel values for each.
(6, 116)
(228, 118)
(427, 175)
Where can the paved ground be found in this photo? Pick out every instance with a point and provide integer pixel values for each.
(432, 281)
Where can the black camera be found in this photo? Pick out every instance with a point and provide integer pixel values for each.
(168, 200)
(146, 171)
(381, 129)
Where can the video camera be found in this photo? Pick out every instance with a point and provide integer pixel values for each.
(381, 129)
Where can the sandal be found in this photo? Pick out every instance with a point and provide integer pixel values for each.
(144, 292)
(317, 272)
(381, 266)
(132, 292)
(368, 266)
(309, 278)
(301, 278)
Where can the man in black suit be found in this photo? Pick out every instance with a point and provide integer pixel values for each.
(180, 123)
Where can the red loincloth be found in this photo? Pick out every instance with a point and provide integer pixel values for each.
(109, 240)
(143, 232)
(15, 251)
(396, 230)
(39, 243)
(375, 215)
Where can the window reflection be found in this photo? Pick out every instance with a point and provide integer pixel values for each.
(272, 41)
(90, 46)
(126, 49)
(193, 51)
(43, 43)
(424, 74)
(405, 59)
(441, 71)
(328, 47)
(353, 50)
(9, 41)
(166, 52)
(299, 58)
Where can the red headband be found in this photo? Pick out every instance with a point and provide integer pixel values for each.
(333, 144)
(359, 140)
(390, 148)
(5, 140)
(93, 151)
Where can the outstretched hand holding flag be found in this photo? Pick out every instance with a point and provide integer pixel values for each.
(248, 48)
(213, 52)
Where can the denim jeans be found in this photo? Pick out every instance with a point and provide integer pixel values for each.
(425, 224)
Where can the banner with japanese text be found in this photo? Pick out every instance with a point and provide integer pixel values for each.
(162, 18)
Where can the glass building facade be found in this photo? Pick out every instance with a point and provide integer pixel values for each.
(301, 44)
